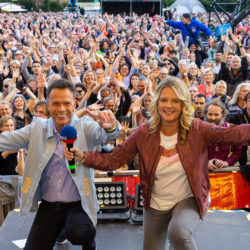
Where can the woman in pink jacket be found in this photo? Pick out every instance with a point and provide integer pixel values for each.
(173, 155)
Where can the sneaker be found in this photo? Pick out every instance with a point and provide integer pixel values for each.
(61, 240)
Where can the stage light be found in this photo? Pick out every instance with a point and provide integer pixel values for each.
(112, 199)
(137, 210)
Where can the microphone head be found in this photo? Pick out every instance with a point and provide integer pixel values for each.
(68, 134)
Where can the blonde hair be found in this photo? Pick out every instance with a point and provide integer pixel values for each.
(5, 119)
(181, 90)
(217, 84)
(85, 75)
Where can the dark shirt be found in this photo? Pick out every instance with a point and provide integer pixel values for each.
(234, 80)
(21, 122)
(8, 165)
(241, 117)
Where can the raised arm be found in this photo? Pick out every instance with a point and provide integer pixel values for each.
(233, 135)
(121, 155)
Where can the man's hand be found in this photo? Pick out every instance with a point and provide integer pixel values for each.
(238, 40)
(106, 119)
(136, 107)
(73, 153)
(41, 81)
(7, 153)
(15, 73)
(5, 71)
(227, 42)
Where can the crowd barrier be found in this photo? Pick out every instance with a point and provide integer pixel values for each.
(10, 188)
(228, 188)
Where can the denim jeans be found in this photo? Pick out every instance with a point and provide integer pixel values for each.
(176, 224)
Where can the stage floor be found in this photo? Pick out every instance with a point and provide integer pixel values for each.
(220, 230)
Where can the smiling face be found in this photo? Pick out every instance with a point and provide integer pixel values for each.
(235, 63)
(8, 125)
(221, 89)
(124, 70)
(214, 115)
(61, 106)
(169, 107)
(243, 91)
(146, 70)
(193, 90)
(89, 78)
(134, 81)
(33, 85)
(5, 109)
(147, 100)
(19, 103)
(79, 93)
(109, 105)
(193, 70)
(209, 77)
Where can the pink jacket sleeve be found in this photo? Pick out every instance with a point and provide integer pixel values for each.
(122, 154)
(235, 135)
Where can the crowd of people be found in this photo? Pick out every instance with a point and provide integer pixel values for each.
(116, 63)
(130, 68)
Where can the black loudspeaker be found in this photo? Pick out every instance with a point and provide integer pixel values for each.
(82, 11)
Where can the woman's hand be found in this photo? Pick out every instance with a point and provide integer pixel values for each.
(221, 164)
(74, 153)
(211, 166)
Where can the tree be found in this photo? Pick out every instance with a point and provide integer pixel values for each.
(207, 3)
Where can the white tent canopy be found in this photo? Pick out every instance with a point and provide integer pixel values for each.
(188, 6)
(11, 7)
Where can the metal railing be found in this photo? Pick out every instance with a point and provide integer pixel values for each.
(127, 173)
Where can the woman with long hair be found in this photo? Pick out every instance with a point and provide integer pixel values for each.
(133, 85)
(194, 71)
(173, 157)
(21, 113)
(237, 102)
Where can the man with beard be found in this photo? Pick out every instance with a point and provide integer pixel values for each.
(220, 156)
(218, 56)
(199, 103)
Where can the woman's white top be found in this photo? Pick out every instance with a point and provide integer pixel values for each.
(170, 185)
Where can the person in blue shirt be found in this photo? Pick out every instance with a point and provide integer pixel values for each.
(67, 200)
(193, 25)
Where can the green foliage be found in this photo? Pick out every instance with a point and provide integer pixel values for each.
(55, 6)
(26, 4)
(225, 7)
(46, 5)
(167, 3)
(82, 1)
(207, 3)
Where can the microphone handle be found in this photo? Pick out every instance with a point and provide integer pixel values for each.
(72, 163)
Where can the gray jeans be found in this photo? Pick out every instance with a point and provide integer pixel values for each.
(177, 224)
